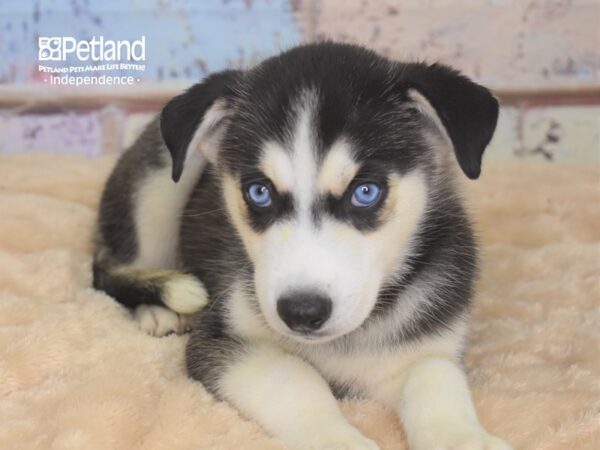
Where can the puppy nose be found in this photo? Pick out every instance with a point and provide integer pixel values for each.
(304, 311)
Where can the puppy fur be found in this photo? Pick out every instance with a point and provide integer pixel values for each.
(178, 229)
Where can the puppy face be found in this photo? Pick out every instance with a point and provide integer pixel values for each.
(324, 224)
(329, 156)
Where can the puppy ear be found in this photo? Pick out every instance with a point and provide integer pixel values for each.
(192, 120)
(467, 111)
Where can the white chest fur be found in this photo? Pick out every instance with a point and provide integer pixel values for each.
(376, 371)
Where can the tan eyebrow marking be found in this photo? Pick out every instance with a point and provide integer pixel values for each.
(277, 165)
(339, 168)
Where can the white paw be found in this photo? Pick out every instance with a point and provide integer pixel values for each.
(338, 438)
(159, 321)
(185, 294)
(461, 438)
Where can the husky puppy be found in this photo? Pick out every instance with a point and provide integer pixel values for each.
(306, 210)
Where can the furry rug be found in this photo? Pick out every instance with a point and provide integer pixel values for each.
(76, 373)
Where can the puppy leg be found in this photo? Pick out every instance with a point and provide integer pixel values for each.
(437, 410)
(291, 400)
(280, 391)
(162, 300)
(178, 291)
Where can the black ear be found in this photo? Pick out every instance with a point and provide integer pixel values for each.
(187, 113)
(468, 111)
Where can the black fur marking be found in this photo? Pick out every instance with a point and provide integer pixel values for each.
(210, 247)
(364, 97)
(128, 290)
(365, 218)
(181, 117)
(261, 218)
(468, 111)
(445, 259)
(343, 391)
(210, 349)
(116, 227)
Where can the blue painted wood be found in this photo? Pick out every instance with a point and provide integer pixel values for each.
(184, 39)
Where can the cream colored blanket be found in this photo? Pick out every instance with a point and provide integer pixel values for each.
(76, 373)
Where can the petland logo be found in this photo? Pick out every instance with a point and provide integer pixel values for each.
(94, 62)
(96, 49)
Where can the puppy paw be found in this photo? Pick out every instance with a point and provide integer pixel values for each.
(468, 438)
(339, 438)
(184, 294)
(158, 321)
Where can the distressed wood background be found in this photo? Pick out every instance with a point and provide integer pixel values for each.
(542, 58)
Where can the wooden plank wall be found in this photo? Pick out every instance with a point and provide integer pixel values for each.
(542, 58)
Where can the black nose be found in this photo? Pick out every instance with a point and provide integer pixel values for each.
(304, 311)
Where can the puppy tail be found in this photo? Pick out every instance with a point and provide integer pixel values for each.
(178, 291)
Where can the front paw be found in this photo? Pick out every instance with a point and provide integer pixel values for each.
(449, 437)
(337, 438)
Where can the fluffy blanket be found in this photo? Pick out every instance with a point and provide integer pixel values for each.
(76, 373)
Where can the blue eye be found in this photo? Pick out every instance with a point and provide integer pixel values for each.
(365, 195)
(259, 195)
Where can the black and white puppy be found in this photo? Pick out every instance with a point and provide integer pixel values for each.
(307, 211)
